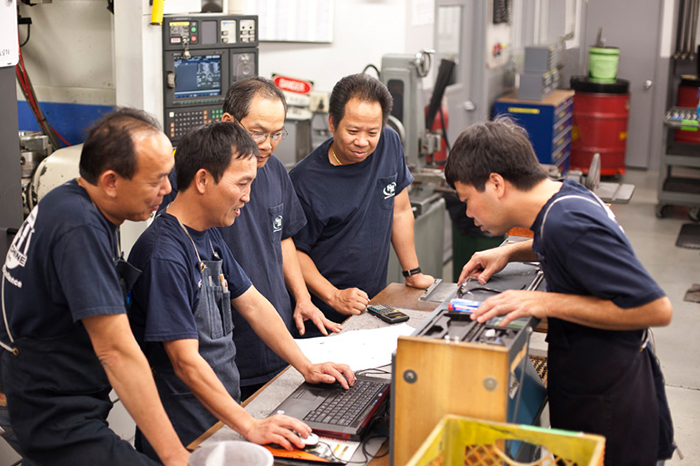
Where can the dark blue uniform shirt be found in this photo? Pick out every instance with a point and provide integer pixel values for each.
(60, 267)
(164, 298)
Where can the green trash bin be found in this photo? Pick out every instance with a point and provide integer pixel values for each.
(465, 245)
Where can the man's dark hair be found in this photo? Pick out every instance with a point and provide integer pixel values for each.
(110, 143)
(211, 147)
(498, 146)
(361, 86)
(241, 93)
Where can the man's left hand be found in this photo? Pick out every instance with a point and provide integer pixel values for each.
(329, 372)
(419, 280)
(307, 311)
(512, 304)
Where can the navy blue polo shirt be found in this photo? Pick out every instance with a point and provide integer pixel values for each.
(349, 211)
(166, 294)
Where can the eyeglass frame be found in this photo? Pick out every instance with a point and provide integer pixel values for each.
(255, 135)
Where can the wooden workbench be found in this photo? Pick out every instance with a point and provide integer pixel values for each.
(395, 295)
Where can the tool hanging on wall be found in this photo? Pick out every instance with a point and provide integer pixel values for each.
(687, 29)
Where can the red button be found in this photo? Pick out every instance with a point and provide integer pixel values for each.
(194, 38)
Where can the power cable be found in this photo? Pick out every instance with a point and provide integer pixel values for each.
(30, 96)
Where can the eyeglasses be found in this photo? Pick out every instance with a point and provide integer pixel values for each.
(260, 137)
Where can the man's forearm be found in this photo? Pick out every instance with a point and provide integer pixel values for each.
(130, 375)
(402, 235)
(521, 252)
(201, 379)
(293, 277)
(604, 314)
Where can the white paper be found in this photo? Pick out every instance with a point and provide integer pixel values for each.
(423, 12)
(9, 41)
(359, 349)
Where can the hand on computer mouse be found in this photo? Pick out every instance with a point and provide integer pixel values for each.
(309, 441)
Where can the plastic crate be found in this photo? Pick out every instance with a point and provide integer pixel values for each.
(458, 441)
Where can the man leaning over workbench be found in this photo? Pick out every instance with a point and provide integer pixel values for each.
(600, 302)
(63, 302)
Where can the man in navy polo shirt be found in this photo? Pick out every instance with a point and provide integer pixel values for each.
(353, 189)
(182, 302)
(603, 375)
(64, 284)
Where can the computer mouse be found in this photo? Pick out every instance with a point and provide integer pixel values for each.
(309, 441)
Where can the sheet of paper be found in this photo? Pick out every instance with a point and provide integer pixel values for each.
(360, 349)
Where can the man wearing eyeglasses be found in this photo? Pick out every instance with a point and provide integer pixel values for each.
(261, 238)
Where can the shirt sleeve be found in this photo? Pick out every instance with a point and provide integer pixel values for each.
(308, 235)
(86, 271)
(293, 212)
(603, 263)
(403, 175)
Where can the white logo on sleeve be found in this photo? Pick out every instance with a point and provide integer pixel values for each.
(390, 190)
(277, 223)
(17, 255)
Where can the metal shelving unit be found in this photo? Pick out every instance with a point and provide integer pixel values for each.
(679, 189)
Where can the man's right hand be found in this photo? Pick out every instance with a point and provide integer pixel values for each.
(350, 301)
(278, 429)
(484, 264)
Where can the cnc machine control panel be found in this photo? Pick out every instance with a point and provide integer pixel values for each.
(203, 54)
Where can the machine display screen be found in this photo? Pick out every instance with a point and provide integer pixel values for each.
(198, 76)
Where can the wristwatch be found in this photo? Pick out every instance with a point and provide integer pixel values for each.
(408, 273)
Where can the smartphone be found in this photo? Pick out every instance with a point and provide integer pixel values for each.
(387, 314)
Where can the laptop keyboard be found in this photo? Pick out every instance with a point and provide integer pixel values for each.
(342, 407)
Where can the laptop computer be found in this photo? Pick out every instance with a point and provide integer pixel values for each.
(332, 411)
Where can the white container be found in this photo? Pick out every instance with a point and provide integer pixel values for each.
(230, 453)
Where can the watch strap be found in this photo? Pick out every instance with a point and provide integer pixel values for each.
(408, 273)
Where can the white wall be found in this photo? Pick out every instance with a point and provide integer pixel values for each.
(70, 53)
(364, 30)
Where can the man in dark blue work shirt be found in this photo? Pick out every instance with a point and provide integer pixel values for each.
(181, 311)
(261, 238)
(603, 375)
(353, 189)
(66, 331)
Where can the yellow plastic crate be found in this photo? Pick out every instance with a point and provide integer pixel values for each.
(458, 441)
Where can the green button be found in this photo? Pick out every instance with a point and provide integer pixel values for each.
(193, 29)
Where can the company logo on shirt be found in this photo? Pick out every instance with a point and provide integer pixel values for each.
(390, 190)
(17, 254)
(277, 223)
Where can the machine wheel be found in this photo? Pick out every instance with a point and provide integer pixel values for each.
(694, 214)
(663, 210)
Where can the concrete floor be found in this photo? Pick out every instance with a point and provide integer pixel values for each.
(675, 269)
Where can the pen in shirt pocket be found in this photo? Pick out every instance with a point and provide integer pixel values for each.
(224, 283)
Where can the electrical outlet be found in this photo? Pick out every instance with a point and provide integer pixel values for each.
(318, 102)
